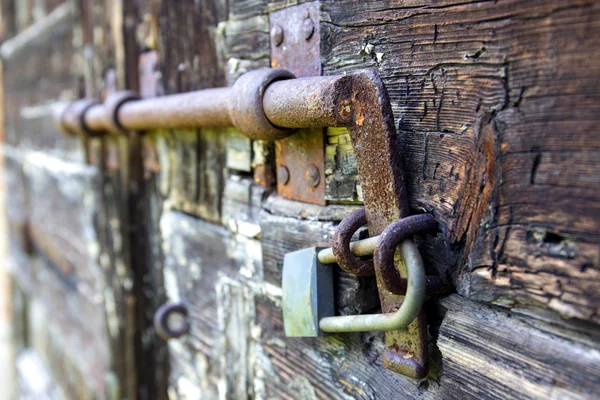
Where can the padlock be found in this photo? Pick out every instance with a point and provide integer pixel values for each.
(307, 293)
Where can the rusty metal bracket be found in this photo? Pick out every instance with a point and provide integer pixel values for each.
(300, 158)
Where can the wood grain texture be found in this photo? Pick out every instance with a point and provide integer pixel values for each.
(81, 324)
(495, 110)
(37, 72)
(495, 105)
(488, 353)
(197, 256)
(75, 241)
(237, 348)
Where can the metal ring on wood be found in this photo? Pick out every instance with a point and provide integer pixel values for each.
(341, 245)
(246, 105)
(408, 311)
(390, 238)
(112, 103)
(72, 118)
(161, 321)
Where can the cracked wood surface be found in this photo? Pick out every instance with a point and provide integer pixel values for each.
(483, 93)
(495, 105)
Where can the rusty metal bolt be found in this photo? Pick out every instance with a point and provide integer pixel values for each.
(112, 104)
(308, 28)
(246, 104)
(72, 121)
(277, 35)
(313, 176)
(161, 321)
(283, 175)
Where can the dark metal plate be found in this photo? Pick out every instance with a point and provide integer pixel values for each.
(302, 155)
(290, 49)
(296, 46)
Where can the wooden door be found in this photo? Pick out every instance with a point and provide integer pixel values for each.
(495, 105)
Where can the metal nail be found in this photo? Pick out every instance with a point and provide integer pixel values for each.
(277, 35)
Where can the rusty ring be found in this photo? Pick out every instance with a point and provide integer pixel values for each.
(246, 105)
(161, 324)
(390, 238)
(341, 245)
(112, 103)
(72, 119)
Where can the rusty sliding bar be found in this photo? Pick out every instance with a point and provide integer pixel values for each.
(203, 108)
(266, 104)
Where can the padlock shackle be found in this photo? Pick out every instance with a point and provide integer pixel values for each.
(408, 311)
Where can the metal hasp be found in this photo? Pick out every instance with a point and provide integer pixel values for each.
(307, 288)
(381, 173)
(358, 101)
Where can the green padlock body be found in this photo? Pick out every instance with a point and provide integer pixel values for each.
(307, 293)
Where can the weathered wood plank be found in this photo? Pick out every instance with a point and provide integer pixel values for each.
(488, 353)
(195, 175)
(495, 112)
(80, 324)
(15, 206)
(242, 202)
(37, 70)
(197, 256)
(153, 286)
(187, 49)
(62, 206)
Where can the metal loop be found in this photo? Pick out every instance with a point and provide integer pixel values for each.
(72, 119)
(341, 245)
(401, 318)
(246, 106)
(112, 103)
(390, 238)
(161, 321)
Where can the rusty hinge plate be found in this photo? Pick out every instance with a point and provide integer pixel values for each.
(295, 46)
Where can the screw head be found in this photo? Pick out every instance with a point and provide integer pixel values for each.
(283, 174)
(313, 176)
(308, 28)
(277, 35)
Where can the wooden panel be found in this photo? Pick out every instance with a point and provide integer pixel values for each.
(15, 207)
(80, 324)
(494, 107)
(237, 348)
(37, 71)
(487, 353)
(198, 256)
(80, 270)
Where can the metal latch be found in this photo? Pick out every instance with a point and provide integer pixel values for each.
(308, 288)
(269, 104)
